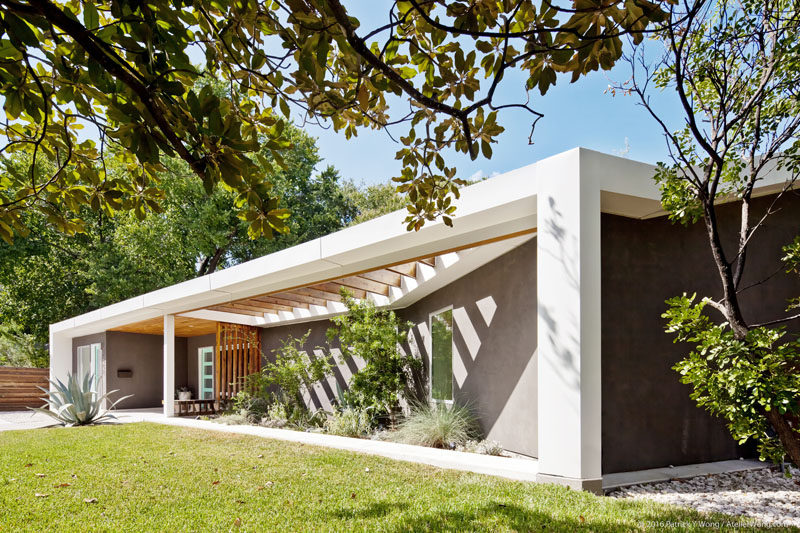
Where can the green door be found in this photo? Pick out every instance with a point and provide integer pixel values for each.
(206, 367)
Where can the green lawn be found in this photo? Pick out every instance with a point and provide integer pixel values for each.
(148, 477)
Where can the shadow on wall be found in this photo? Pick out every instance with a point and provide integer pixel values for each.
(494, 344)
(322, 395)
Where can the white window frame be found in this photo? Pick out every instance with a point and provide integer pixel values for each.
(97, 361)
(429, 349)
(200, 364)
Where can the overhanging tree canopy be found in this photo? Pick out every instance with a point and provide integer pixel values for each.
(124, 70)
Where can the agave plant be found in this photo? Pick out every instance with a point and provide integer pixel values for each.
(75, 404)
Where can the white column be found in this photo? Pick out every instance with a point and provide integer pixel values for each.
(568, 285)
(169, 365)
(60, 356)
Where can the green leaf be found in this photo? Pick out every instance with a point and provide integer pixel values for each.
(90, 16)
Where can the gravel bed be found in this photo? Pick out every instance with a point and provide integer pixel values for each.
(763, 494)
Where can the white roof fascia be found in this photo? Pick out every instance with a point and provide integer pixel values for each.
(496, 207)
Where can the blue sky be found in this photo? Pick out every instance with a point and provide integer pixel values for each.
(579, 114)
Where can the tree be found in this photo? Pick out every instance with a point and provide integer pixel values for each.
(127, 70)
(48, 275)
(735, 69)
(372, 201)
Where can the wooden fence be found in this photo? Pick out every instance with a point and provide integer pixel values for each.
(238, 355)
(18, 387)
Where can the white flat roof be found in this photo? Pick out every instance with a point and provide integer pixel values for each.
(496, 207)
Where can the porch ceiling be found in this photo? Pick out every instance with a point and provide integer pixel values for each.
(184, 327)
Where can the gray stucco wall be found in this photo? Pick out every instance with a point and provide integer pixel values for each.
(143, 355)
(494, 336)
(648, 418)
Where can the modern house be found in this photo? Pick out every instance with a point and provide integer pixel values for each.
(541, 307)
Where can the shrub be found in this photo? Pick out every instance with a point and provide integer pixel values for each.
(293, 370)
(234, 419)
(485, 447)
(438, 426)
(375, 336)
(254, 407)
(349, 422)
(281, 414)
(75, 404)
(748, 382)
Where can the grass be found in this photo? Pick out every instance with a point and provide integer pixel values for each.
(149, 477)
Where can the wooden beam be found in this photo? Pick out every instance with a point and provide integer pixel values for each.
(280, 304)
(257, 305)
(249, 305)
(355, 282)
(234, 310)
(318, 294)
(429, 260)
(384, 276)
(300, 297)
(289, 302)
(405, 269)
(335, 286)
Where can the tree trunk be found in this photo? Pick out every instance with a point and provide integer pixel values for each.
(790, 439)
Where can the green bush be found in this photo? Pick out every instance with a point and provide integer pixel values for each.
(349, 422)
(438, 426)
(375, 335)
(254, 407)
(293, 371)
(743, 381)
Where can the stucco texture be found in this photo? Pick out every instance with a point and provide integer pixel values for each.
(494, 338)
(648, 418)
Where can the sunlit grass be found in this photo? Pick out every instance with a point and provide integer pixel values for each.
(149, 477)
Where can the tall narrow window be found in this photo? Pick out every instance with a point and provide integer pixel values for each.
(206, 367)
(90, 361)
(442, 355)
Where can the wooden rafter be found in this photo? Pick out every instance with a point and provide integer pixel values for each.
(405, 269)
(357, 282)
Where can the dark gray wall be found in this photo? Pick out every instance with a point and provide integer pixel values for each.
(494, 336)
(144, 356)
(193, 344)
(648, 418)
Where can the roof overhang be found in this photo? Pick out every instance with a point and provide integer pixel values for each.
(492, 217)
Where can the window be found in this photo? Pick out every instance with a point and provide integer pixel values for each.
(90, 361)
(442, 355)
(205, 365)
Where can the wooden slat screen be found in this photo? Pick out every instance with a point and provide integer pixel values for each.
(238, 354)
(18, 387)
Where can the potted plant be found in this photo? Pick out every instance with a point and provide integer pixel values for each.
(184, 393)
